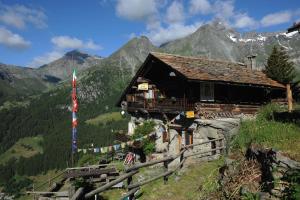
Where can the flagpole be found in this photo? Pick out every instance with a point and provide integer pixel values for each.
(74, 117)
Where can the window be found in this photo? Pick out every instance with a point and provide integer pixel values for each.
(207, 92)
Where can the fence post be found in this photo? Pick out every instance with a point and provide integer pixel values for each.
(181, 159)
(166, 169)
(129, 181)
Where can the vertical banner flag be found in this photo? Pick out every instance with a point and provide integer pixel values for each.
(74, 111)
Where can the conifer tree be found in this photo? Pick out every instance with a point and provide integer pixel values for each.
(279, 67)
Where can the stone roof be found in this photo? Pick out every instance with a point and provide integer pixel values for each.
(203, 69)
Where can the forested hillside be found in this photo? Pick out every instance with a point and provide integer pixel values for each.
(49, 115)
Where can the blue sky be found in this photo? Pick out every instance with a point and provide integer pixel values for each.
(33, 33)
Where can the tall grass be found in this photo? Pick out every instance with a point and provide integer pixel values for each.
(269, 133)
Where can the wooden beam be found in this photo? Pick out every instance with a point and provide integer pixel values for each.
(110, 184)
(202, 152)
(289, 97)
(206, 142)
(131, 192)
(78, 194)
(156, 177)
(61, 194)
(89, 172)
(88, 167)
(137, 166)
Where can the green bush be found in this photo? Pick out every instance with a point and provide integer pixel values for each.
(148, 146)
(144, 129)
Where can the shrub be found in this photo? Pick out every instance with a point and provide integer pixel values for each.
(267, 112)
(143, 129)
(148, 146)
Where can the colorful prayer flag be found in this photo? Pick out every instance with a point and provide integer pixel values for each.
(103, 149)
(75, 105)
(117, 147)
(74, 140)
(123, 145)
(110, 148)
(74, 120)
(74, 79)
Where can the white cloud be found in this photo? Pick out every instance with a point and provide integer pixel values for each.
(136, 9)
(90, 44)
(244, 21)
(200, 6)
(12, 40)
(19, 16)
(67, 42)
(175, 13)
(276, 18)
(172, 32)
(45, 59)
(224, 10)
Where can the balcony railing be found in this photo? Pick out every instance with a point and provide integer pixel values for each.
(178, 104)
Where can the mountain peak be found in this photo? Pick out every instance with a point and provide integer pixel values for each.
(76, 54)
(141, 39)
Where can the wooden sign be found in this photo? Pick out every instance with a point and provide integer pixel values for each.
(190, 114)
(143, 86)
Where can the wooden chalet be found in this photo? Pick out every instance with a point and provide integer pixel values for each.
(172, 84)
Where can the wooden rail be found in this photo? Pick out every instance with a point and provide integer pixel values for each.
(129, 172)
(110, 184)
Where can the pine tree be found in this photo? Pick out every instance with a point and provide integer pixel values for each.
(279, 67)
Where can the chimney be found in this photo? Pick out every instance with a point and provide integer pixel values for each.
(251, 62)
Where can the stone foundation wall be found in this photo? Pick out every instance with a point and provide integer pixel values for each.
(202, 130)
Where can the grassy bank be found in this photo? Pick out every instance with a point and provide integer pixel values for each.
(270, 134)
(197, 181)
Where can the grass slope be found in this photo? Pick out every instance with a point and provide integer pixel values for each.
(25, 147)
(197, 181)
(270, 133)
(105, 118)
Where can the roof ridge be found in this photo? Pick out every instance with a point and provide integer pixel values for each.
(198, 58)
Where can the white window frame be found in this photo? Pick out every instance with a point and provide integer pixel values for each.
(207, 92)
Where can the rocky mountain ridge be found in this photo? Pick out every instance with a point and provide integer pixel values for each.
(218, 41)
(214, 40)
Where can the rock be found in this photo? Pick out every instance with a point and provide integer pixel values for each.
(286, 162)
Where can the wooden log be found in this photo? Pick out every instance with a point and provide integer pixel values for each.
(78, 194)
(110, 184)
(88, 173)
(87, 167)
(289, 97)
(202, 152)
(156, 177)
(150, 180)
(130, 192)
(137, 166)
(206, 142)
(58, 194)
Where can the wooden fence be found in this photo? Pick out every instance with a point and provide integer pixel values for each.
(133, 170)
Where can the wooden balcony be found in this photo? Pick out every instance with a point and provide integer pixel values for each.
(161, 105)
